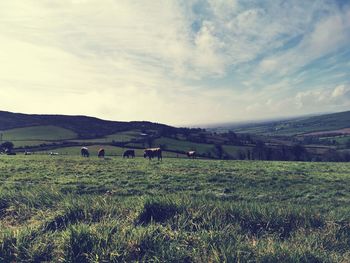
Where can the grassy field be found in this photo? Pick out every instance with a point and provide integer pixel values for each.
(119, 137)
(38, 133)
(185, 146)
(74, 209)
(110, 151)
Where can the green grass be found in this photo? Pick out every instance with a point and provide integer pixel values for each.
(124, 136)
(233, 151)
(200, 148)
(110, 151)
(74, 209)
(118, 137)
(93, 150)
(185, 146)
(38, 133)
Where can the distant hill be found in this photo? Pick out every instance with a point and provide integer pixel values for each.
(300, 125)
(43, 133)
(83, 126)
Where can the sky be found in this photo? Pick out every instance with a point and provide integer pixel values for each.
(182, 62)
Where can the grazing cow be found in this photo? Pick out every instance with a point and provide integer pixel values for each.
(28, 153)
(53, 153)
(191, 154)
(101, 153)
(84, 152)
(128, 153)
(153, 152)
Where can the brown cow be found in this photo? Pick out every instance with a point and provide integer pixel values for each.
(153, 152)
(101, 153)
(191, 154)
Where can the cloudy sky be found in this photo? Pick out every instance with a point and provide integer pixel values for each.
(175, 62)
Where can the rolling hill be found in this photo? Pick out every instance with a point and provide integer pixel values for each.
(42, 133)
(83, 126)
(270, 140)
(300, 125)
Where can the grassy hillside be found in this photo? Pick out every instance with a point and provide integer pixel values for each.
(56, 131)
(325, 122)
(85, 127)
(124, 136)
(39, 133)
(54, 208)
(94, 128)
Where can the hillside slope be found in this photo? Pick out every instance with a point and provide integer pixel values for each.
(326, 122)
(85, 127)
(41, 133)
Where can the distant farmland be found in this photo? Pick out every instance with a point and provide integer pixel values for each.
(39, 133)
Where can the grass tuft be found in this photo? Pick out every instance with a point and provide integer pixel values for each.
(159, 211)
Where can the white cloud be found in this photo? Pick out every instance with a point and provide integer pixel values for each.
(339, 91)
(117, 56)
(323, 98)
(328, 35)
(268, 65)
(207, 50)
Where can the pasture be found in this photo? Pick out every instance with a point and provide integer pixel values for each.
(36, 135)
(110, 151)
(181, 145)
(74, 209)
(39, 133)
(119, 136)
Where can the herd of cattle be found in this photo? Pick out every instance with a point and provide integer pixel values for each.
(149, 153)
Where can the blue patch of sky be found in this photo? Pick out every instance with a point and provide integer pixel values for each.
(328, 71)
(238, 73)
(335, 61)
(290, 42)
(314, 73)
(244, 4)
(196, 26)
(342, 3)
(201, 10)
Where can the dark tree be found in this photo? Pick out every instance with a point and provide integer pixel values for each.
(259, 150)
(241, 155)
(298, 151)
(219, 150)
(348, 144)
(249, 155)
(202, 138)
(149, 141)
